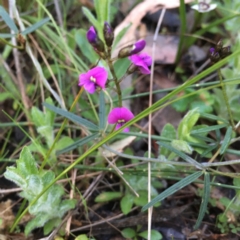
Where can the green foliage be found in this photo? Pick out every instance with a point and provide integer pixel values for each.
(203, 101)
(49, 209)
(107, 196)
(130, 233)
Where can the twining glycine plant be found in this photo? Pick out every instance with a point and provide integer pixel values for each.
(96, 79)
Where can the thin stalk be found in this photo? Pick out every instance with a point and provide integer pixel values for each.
(183, 29)
(226, 99)
(118, 88)
(150, 210)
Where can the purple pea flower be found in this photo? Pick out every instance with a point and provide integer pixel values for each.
(93, 79)
(120, 116)
(142, 61)
(138, 46)
(132, 49)
(94, 40)
(91, 35)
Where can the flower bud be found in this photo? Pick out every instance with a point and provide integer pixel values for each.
(108, 34)
(132, 49)
(214, 55)
(94, 40)
(225, 51)
(219, 45)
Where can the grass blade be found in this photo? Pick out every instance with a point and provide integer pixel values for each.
(177, 186)
(226, 140)
(205, 198)
(72, 117)
(35, 26)
(6, 35)
(181, 155)
(8, 20)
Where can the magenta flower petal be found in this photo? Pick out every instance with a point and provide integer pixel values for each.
(114, 116)
(126, 114)
(101, 76)
(90, 87)
(144, 70)
(95, 77)
(120, 116)
(124, 130)
(142, 61)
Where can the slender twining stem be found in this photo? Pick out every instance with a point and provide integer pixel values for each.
(118, 88)
(61, 129)
(226, 98)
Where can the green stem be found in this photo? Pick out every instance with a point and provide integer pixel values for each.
(226, 98)
(183, 29)
(117, 83)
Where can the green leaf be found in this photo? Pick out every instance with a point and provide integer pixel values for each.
(208, 129)
(127, 203)
(50, 115)
(226, 140)
(102, 111)
(205, 198)
(72, 116)
(108, 196)
(63, 143)
(187, 123)
(103, 10)
(78, 143)
(202, 106)
(171, 190)
(14, 175)
(82, 237)
(35, 26)
(36, 222)
(38, 117)
(155, 235)
(120, 35)
(168, 132)
(128, 233)
(26, 164)
(182, 146)
(47, 133)
(91, 18)
(48, 227)
(8, 20)
(85, 47)
(121, 66)
(213, 117)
